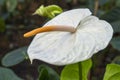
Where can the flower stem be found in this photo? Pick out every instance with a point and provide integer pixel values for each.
(96, 6)
(80, 70)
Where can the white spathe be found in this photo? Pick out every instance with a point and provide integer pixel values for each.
(61, 48)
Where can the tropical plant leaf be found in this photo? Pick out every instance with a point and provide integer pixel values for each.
(47, 73)
(8, 74)
(115, 42)
(72, 71)
(112, 72)
(112, 15)
(14, 57)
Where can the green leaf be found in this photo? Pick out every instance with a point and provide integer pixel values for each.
(115, 42)
(115, 77)
(112, 15)
(116, 60)
(72, 71)
(112, 72)
(2, 25)
(14, 57)
(116, 26)
(43, 74)
(48, 11)
(8, 74)
(47, 73)
(11, 5)
(86, 66)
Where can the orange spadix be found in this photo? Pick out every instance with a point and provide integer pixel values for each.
(50, 28)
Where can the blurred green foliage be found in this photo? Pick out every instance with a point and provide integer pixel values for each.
(11, 5)
(2, 25)
(8, 74)
(116, 43)
(116, 60)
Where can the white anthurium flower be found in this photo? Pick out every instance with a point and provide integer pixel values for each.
(70, 37)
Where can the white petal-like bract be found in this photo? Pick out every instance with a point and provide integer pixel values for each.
(70, 18)
(61, 48)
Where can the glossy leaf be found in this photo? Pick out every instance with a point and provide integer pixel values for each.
(72, 71)
(116, 43)
(47, 73)
(48, 11)
(8, 74)
(14, 57)
(112, 72)
(11, 5)
(2, 25)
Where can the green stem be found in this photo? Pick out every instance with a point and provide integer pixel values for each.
(80, 70)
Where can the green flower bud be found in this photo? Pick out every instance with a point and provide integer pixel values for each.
(48, 11)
